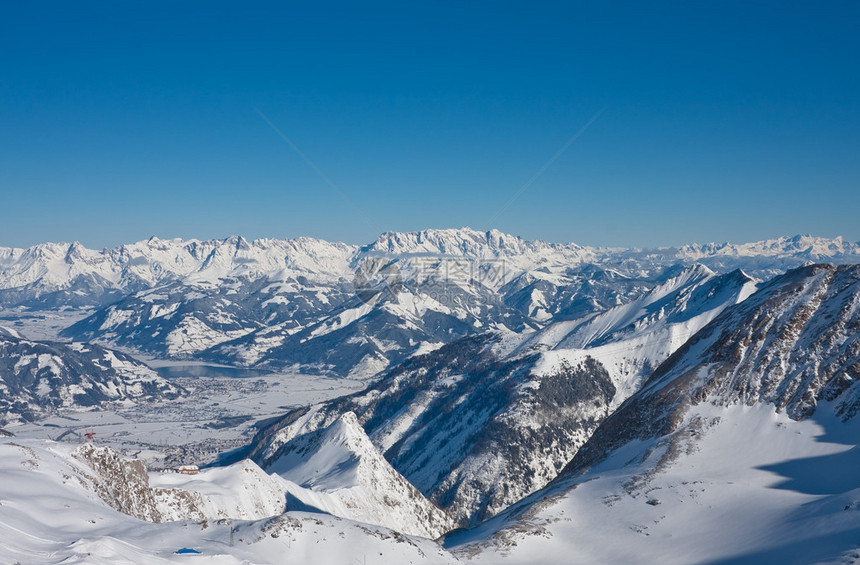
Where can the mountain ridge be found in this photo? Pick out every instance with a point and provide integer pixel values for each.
(20, 267)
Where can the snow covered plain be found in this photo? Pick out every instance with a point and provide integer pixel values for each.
(41, 324)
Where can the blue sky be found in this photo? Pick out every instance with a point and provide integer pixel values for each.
(721, 122)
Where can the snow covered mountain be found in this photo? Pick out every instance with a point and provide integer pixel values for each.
(345, 310)
(183, 318)
(240, 491)
(368, 333)
(749, 430)
(793, 345)
(351, 480)
(59, 274)
(472, 433)
(55, 274)
(282, 320)
(37, 378)
(632, 339)
(761, 259)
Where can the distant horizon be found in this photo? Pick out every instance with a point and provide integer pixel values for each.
(364, 243)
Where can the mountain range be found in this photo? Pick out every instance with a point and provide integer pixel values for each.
(282, 304)
(530, 402)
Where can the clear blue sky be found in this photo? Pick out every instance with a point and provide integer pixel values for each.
(721, 122)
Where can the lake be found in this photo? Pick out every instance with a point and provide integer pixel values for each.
(204, 371)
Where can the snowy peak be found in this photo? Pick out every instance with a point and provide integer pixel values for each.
(52, 266)
(347, 476)
(464, 242)
(55, 266)
(336, 454)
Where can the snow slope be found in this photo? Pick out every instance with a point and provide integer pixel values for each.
(632, 339)
(751, 486)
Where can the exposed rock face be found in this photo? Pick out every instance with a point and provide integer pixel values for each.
(242, 491)
(122, 483)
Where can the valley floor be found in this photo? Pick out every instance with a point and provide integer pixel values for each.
(216, 416)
